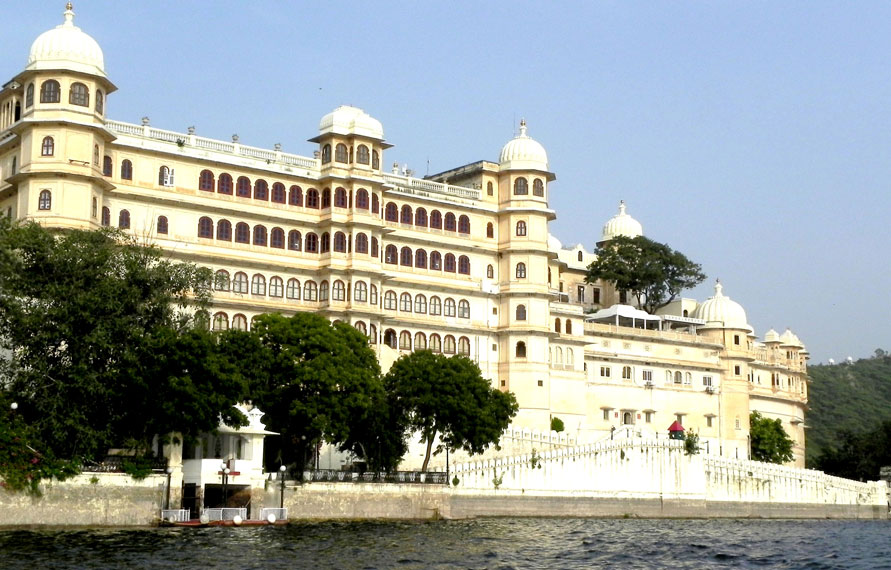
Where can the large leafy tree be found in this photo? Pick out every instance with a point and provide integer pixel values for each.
(449, 398)
(316, 381)
(858, 455)
(770, 442)
(652, 272)
(98, 347)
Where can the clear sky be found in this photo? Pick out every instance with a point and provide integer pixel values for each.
(752, 136)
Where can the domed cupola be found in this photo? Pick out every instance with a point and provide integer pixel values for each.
(720, 311)
(523, 153)
(789, 338)
(347, 120)
(66, 47)
(621, 225)
(772, 337)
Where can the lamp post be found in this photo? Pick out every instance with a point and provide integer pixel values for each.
(224, 471)
(167, 502)
(282, 470)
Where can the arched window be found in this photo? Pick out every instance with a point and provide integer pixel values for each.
(435, 261)
(240, 283)
(464, 346)
(390, 255)
(405, 303)
(490, 230)
(391, 212)
(96, 156)
(310, 290)
(521, 349)
(107, 166)
(340, 198)
(243, 187)
(295, 196)
(463, 225)
(326, 154)
(372, 295)
(79, 95)
(312, 243)
(521, 313)
(406, 256)
(50, 91)
(340, 153)
(326, 198)
(435, 306)
(421, 304)
(340, 242)
(100, 102)
(362, 199)
(490, 272)
(29, 95)
(580, 256)
(449, 307)
(538, 187)
(260, 235)
(375, 160)
(490, 189)
(45, 200)
(242, 233)
(450, 222)
(362, 154)
(124, 219)
(360, 326)
(390, 338)
(374, 248)
(435, 343)
(375, 204)
(521, 270)
(312, 198)
(406, 217)
(261, 190)
(338, 291)
(278, 193)
(258, 284)
(294, 241)
(627, 418)
(106, 216)
(448, 344)
(557, 327)
(126, 170)
(521, 186)
(678, 377)
(239, 322)
(162, 225)
(360, 291)
(421, 259)
(521, 228)
(292, 289)
(277, 238)
(421, 217)
(435, 220)
(449, 263)
(220, 321)
(325, 243)
(463, 309)
(464, 265)
(205, 180)
(221, 280)
(205, 227)
(568, 326)
(48, 148)
(165, 176)
(361, 243)
(390, 301)
(420, 341)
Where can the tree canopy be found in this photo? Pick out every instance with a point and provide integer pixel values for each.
(448, 397)
(770, 442)
(98, 346)
(652, 272)
(858, 455)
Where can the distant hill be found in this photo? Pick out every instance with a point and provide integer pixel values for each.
(854, 397)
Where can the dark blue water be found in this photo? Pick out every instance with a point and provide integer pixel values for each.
(483, 543)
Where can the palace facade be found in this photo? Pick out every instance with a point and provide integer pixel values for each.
(460, 262)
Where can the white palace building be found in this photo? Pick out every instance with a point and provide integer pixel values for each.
(460, 262)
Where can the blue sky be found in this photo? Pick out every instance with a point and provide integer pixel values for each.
(752, 136)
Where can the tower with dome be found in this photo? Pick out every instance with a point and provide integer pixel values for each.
(459, 262)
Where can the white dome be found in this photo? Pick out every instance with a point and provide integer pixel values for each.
(771, 336)
(722, 312)
(789, 338)
(524, 153)
(554, 243)
(66, 47)
(621, 225)
(346, 120)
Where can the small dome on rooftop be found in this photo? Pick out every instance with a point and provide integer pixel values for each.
(621, 225)
(347, 120)
(554, 243)
(523, 153)
(66, 47)
(719, 311)
(771, 336)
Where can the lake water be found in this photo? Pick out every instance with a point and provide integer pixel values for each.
(483, 543)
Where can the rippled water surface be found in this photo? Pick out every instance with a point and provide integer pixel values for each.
(483, 543)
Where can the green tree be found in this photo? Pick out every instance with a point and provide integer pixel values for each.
(449, 398)
(316, 381)
(557, 424)
(652, 272)
(858, 455)
(769, 440)
(91, 323)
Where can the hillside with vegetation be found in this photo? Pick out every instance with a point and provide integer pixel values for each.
(854, 398)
